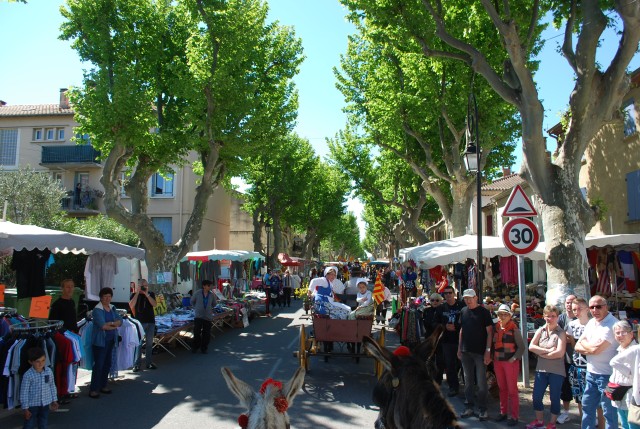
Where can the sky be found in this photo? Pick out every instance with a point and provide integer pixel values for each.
(41, 64)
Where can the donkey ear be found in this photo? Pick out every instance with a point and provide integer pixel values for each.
(381, 354)
(293, 386)
(239, 388)
(428, 347)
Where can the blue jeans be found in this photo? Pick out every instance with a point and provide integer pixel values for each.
(475, 369)
(149, 334)
(39, 416)
(540, 383)
(592, 397)
(101, 365)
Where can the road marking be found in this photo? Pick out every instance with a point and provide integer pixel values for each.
(293, 341)
(275, 368)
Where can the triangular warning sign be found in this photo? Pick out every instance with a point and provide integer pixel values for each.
(518, 204)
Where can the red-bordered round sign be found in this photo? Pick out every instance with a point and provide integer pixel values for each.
(520, 236)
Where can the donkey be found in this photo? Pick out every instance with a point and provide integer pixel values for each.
(406, 393)
(267, 409)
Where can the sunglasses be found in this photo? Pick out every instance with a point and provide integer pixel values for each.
(595, 307)
(435, 300)
(447, 293)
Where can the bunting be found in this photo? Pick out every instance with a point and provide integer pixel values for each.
(378, 290)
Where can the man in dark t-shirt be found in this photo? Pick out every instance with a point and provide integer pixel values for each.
(142, 303)
(448, 315)
(64, 308)
(474, 350)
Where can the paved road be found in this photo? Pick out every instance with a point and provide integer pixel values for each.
(188, 391)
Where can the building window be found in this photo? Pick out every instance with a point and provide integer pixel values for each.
(489, 227)
(629, 112)
(49, 134)
(163, 224)
(633, 195)
(37, 134)
(60, 134)
(8, 147)
(83, 138)
(124, 178)
(161, 186)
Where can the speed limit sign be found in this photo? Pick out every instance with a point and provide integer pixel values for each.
(520, 236)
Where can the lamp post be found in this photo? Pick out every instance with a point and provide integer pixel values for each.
(472, 158)
(267, 228)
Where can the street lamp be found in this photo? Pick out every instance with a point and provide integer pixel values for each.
(472, 158)
(267, 228)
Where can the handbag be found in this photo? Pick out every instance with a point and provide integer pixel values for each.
(615, 392)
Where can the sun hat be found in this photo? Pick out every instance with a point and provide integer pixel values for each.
(469, 293)
(504, 308)
(334, 269)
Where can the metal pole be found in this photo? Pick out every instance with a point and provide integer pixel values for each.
(479, 208)
(523, 320)
(480, 265)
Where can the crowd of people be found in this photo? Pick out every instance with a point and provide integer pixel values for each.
(584, 355)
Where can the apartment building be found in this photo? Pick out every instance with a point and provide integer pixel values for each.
(40, 136)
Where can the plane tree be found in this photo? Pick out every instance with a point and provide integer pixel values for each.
(447, 31)
(193, 82)
(415, 108)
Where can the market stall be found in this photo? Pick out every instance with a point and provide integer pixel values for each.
(31, 248)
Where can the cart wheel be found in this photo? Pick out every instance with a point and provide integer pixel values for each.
(378, 368)
(302, 353)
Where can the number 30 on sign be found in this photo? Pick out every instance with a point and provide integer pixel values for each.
(520, 236)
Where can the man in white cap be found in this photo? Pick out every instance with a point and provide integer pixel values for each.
(474, 351)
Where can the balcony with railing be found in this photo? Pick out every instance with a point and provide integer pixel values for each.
(83, 202)
(80, 155)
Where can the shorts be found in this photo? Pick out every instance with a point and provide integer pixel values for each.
(578, 382)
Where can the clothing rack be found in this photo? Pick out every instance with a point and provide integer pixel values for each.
(121, 312)
(37, 326)
(8, 311)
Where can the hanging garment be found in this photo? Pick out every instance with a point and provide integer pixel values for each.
(626, 263)
(29, 266)
(100, 271)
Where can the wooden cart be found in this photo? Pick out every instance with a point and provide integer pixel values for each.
(329, 335)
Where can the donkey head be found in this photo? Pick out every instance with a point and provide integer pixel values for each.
(267, 409)
(406, 393)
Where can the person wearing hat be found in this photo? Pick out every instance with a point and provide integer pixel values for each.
(508, 348)
(430, 320)
(449, 317)
(328, 285)
(474, 351)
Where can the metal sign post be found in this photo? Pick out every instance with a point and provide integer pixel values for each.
(523, 320)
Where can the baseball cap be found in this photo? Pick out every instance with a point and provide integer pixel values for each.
(504, 308)
(469, 293)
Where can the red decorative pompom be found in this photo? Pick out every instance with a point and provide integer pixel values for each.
(269, 381)
(402, 351)
(281, 404)
(243, 421)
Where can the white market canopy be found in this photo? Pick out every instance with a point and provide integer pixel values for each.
(459, 249)
(18, 237)
(218, 255)
(611, 240)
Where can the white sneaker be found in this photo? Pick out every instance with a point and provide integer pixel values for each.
(563, 417)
